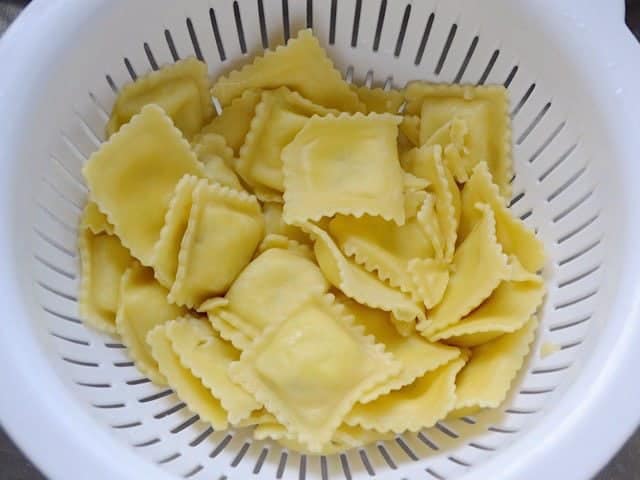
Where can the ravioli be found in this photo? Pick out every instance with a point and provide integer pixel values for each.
(208, 357)
(143, 306)
(484, 108)
(273, 283)
(310, 368)
(279, 116)
(119, 174)
(103, 261)
(232, 247)
(514, 236)
(181, 90)
(187, 386)
(301, 65)
(319, 181)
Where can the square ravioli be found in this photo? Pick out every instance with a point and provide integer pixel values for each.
(132, 178)
(486, 111)
(224, 225)
(279, 117)
(103, 262)
(276, 281)
(143, 306)
(311, 367)
(301, 65)
(181, 90)
(187, 386)
(208, 357)
(346, 164)
(217, 157)
(235, 119)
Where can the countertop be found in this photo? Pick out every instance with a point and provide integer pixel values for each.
(14, 466)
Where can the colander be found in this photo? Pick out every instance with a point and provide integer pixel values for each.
(74, 401)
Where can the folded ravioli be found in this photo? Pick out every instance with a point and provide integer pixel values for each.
(426, 162)
(94, 220)
(133, 175)
(452, 138)
(225, 226)
(217, 157)
(143, 306)
(235, 119)
(310, 367)
(103, 261)
(361, 285)
(417, 355)
(478, 266)
(166, 250)
(276, 281)
(279, 117)
(187, 386)
(485, 108)
(274, 224)
(514, 236)
(379, 100)
(385, 247)
(181, 90)
(410, 128)
(345, 164)
(208, 357)
(508, 308)
(485, 380)
(414, 407)
(301, 65)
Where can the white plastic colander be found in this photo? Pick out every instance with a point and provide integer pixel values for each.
(72, 399)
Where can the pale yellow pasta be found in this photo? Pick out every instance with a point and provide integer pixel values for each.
(514, 236)
(273, 283)
(479, 265)
(225, 226)
(167, 248)
(430, 278)
(452, 137)
(410, 128)
(186, 385)
(485, 380)
(217, 157)
(383, 246)
(379, 100)
(330, 265)
(345, 164)
(361, 285)
(143, 306)
(234, 120)
(94, 220)
(311, 367)
(417, 355)
(201, 350)
(274, 224)
(486, 111)
(414, 407)
(426, 162)
(279, 117)
(301, 65)
(508, 308)
(133, 175)
(181, 90)
(344, 438)
(274, 240)
(103, 261)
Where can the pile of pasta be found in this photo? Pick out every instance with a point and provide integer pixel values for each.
(330, 264)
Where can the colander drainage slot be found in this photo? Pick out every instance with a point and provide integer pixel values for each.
(387, 458)
(366, 463)
(170, 411)
(282, 464)
(201, 438)
(466, 60)
(406, 449)
(150, 57)
(346, 469)
(193, 471)
(185, 424)
(240, 455)
(403, 31)
(356, 23)
(424, 39)
(169, 459)
(489, 67)
(380, 25)
(194, 40)
(239, 28)
(171, 45)
(216, 34)
(132, 72)
(54, 268)
(260, 461)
